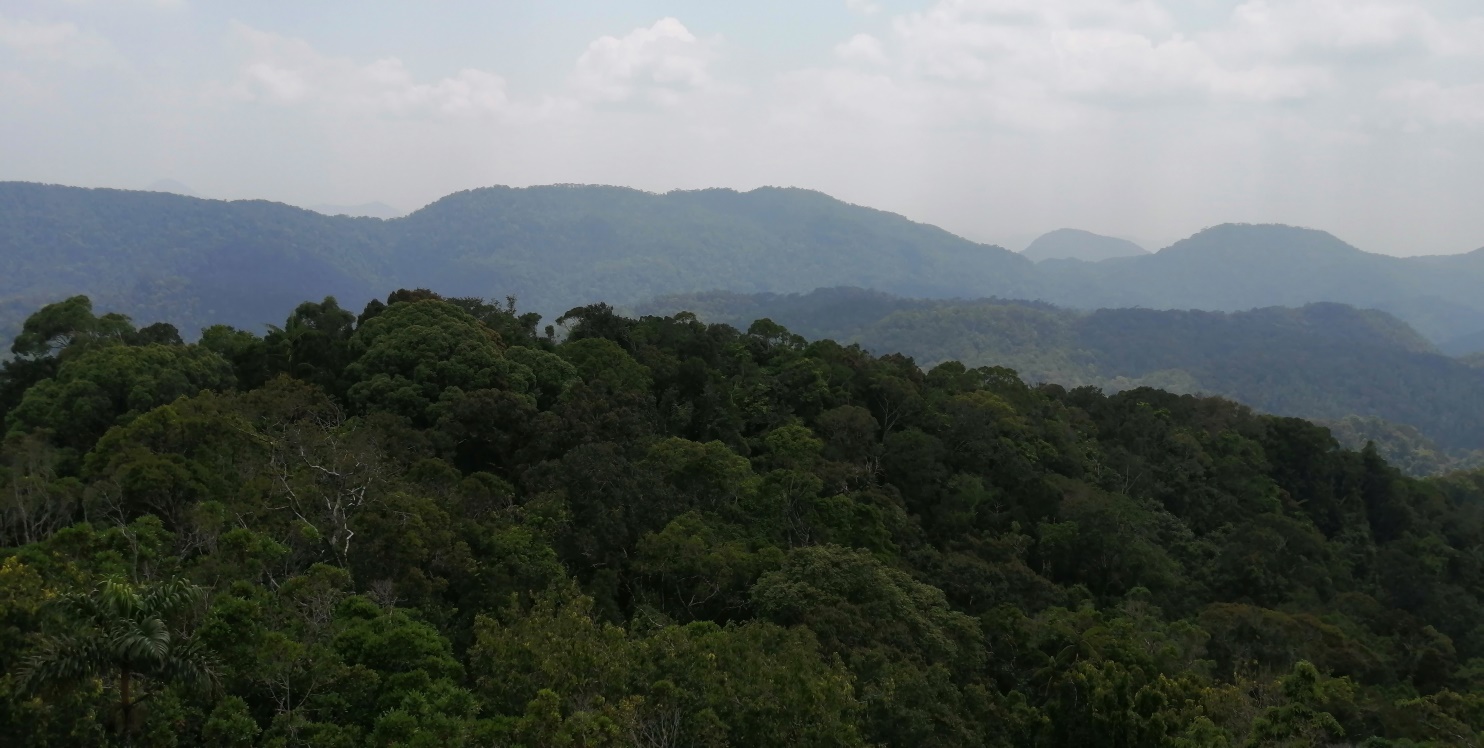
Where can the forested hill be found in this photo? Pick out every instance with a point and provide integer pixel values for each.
(563, 246)
(195, 262)
(1322, 361)
(428, 524)
(161, 256)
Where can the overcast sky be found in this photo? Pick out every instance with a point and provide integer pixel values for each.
(996, 119)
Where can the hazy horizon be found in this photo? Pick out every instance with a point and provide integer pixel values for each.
(997, 120)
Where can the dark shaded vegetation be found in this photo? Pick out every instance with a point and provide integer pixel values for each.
(430, 523)
(1403, 446)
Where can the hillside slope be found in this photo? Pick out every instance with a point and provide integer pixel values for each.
(1324, 361)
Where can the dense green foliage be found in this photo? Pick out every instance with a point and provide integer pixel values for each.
(1321, 361)
(1403, 446)
(430, 525)
(195, 262)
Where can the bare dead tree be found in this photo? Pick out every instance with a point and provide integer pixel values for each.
(324, 469)
(33, 503)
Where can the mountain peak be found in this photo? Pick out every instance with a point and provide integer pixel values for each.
(1262, 239)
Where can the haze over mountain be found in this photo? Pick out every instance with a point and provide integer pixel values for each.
(364, 210)
(1464, 345)
(162, 256)
(172, 186)
(1076, 244)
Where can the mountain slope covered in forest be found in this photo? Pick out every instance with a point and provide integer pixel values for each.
(1323, 361)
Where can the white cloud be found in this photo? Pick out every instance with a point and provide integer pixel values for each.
(1265, 29)
(1433, 103)
(861, 48)
(26, 36)
(61, 42)
(1144, 16)
(16, 84)
(161, 4)
(1085, 48)
(1134, 49)
(288, 71)
(662, 62)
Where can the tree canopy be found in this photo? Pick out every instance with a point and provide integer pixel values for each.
(428, 524)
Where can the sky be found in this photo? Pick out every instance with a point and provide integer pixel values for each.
(995, 119)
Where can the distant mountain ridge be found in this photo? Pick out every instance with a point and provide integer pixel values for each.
(191, 261)
(1076, 244)
(561, 246)
(1241, 266)
(161, 256)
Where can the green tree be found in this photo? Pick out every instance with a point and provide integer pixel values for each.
(602, 362)
(313, 344)
(57, 327)
(1301, 722)
(406, 357)
(101, 386)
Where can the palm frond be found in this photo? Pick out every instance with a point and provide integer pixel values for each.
(191, 665)
(117, 626)
(140, 643)
(169, 599)
(65, 660)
